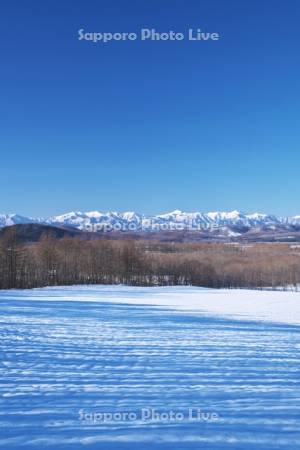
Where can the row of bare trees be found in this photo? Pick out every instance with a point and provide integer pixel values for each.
(74, 261)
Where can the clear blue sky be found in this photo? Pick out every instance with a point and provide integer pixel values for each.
(149, 126)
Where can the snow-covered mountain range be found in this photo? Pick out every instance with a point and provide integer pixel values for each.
(175, 220)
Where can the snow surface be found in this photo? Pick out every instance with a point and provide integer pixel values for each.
(272, 306)
(99, 349)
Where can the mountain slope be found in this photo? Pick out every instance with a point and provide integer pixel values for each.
(32, 232)
(230, 224)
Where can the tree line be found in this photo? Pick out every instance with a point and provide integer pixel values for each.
(68, 261)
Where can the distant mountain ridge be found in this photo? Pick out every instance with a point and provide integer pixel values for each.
(33, 232)
(231, 223)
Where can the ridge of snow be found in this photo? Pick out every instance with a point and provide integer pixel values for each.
(218, 219)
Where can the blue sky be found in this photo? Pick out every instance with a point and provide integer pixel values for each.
(149, 126)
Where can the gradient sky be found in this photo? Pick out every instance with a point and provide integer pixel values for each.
(149, 126)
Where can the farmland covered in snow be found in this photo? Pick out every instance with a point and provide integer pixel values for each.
(113, 367)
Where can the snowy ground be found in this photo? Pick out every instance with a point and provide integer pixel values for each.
(272, 306)
(71, 354)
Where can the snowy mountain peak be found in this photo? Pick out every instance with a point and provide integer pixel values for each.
(177, 212)
(228, 222)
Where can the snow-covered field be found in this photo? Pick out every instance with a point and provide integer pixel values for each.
(76, 361)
